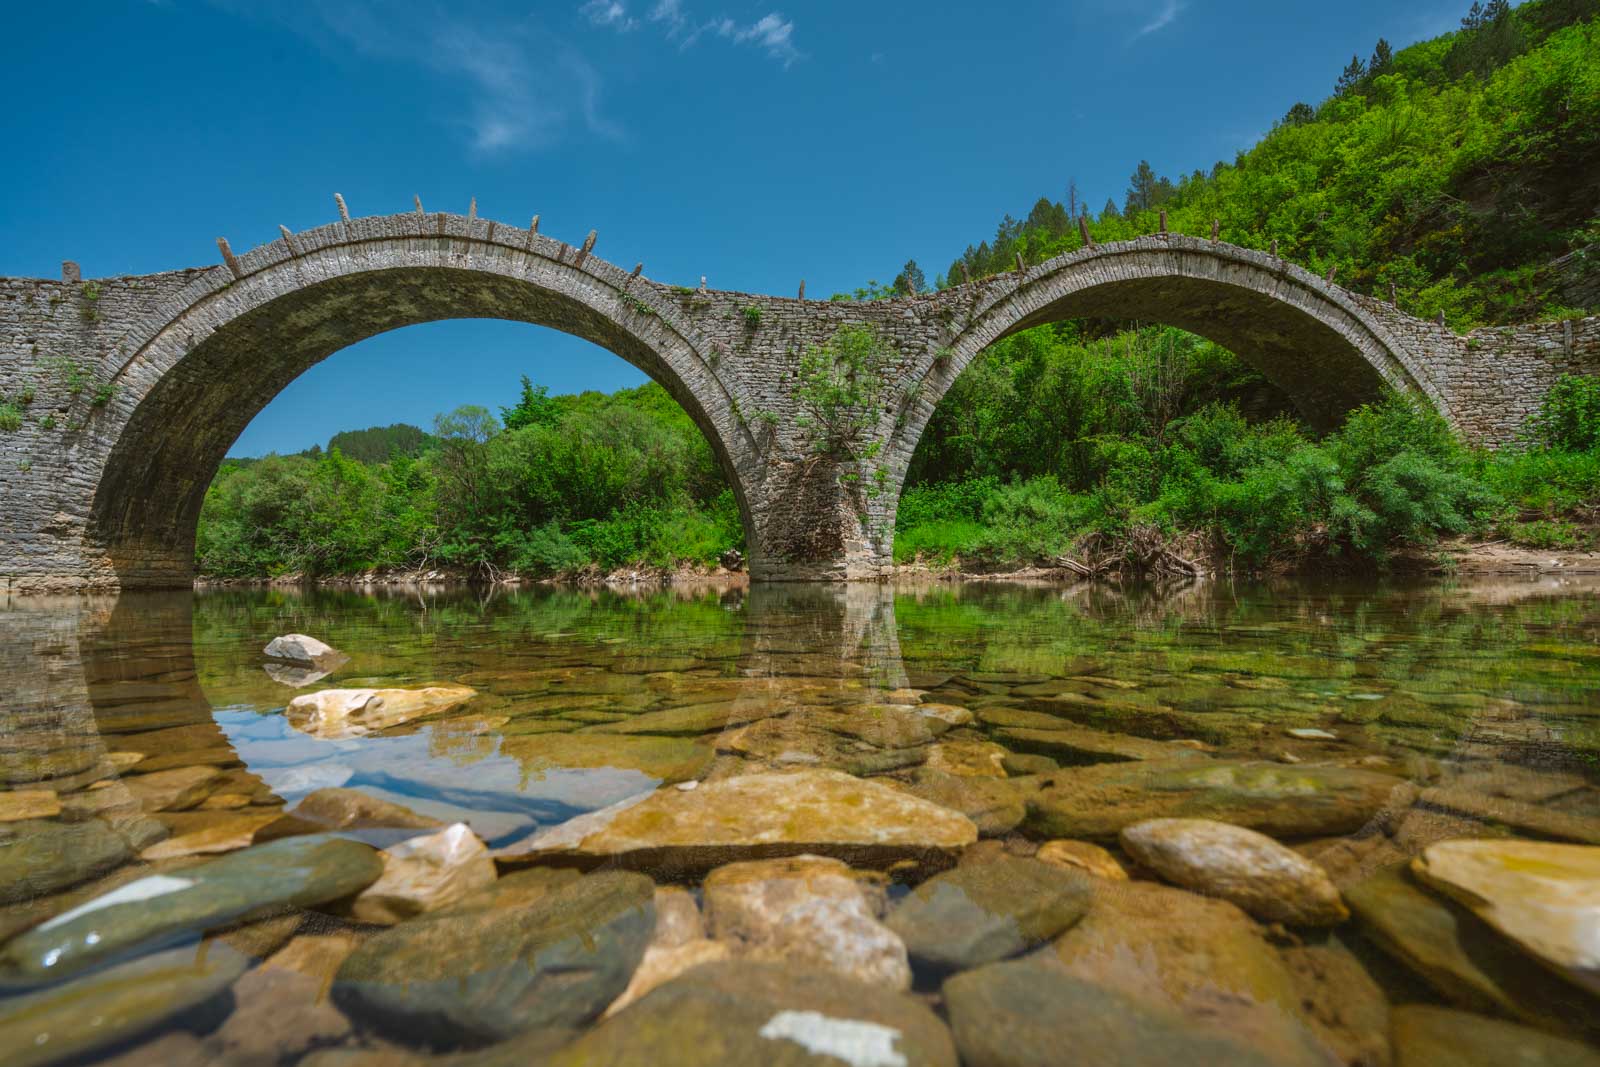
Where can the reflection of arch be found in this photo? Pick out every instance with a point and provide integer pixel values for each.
(1325, 349)
(196, 372)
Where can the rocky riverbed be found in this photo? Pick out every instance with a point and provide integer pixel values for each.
(796, 841)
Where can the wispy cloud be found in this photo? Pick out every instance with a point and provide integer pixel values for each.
(523, 87)
(772, 33)
(1170, 10)
(609, 13)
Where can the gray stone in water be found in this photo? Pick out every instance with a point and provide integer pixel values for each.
(295, 872)
(1030, 1013)
(38, 856)
(986, 912)
(472, 975)
(298, 648)
(742, 1012)
(111, 1007)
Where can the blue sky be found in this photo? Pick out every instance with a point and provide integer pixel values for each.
(752, 143)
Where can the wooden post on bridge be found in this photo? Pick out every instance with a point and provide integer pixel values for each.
(1163, 222)
(1083, 230)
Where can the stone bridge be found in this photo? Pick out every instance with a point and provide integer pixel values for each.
(132, 389)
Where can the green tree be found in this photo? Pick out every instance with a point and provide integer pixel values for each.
(533, 408)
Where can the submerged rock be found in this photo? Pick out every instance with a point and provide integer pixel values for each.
(67, 1023)
(760, 816)
(995, 805)
(298, 872)
(1425, 1036)
(665, 759)
(792, 741)
(1098, 801)
(806, 910)
(690, 720)
(1203, 959)
(1340, 1001)
(38, 857)
(229, 833)
(175, 790)
(425, 874)
(968, 759)
(298, 648)
(986, 912)
(742, 1012)
(1249, 869)
(351, 809)
(678, 943)
(29, 804)
(1462, 959)
(1029, 1013)
(472, 974)
(1544, 897)
(1082, 856)
(340, 713)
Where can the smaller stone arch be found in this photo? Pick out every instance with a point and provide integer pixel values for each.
(189, 378)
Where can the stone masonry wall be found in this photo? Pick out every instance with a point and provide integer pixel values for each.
(137, 386)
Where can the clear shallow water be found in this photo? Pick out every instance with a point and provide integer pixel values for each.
(146, 737)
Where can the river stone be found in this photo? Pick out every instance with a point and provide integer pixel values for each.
(1202, 958)
(425, 874)
(23, 804)
(1280, 801)
(334, 714)
(986, 912)
(68, 1023)
(1249, 869)
(665, 759)
(38, 856)
(968, 759)
(792, 742)
(1073, 744)
(1461, 958)
(806, 910)
(295, 873)
(760, 816)
(472, 975)
(691, 720)
(229, 834)
(298, 648)
(1340, 1001)
(1544, 897)
(174, 790)
(742, 1012)
(1082, 856)
(1029, 1013)
(338, 808)
(1425, 1036)
(995, 805)
(881, 725)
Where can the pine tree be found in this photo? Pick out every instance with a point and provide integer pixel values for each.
(1474, 17)
(1298, 115)
(1143, 189)
(1352, 77)
(911, 280)
(1382, 61)
(1110, 210)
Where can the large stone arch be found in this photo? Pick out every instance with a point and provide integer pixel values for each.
(189, 378)
(1329, 350)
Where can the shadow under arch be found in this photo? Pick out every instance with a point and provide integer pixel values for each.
(201, 375)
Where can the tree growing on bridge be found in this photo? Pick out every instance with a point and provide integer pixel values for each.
(840, 394)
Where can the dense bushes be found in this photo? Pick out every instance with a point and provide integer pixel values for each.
(1256, 492)
(557, 484)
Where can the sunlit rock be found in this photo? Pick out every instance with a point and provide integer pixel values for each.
(298, 648)
(807, 910)
(29, 804)
(1082, 856)
(228, 834)
(175, 790)
(340, 713)
(1544, 897)
(761, 816)
(968, 759)
(425, 874)
(1249, 869)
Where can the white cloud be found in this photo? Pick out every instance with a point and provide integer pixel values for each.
(522, 88)
(608, 13)
(772, 33)
(1170, 10)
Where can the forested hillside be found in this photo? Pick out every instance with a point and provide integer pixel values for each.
(1462, 171)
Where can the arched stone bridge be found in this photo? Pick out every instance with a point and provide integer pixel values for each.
(137, 386)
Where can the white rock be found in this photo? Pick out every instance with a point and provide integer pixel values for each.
(425, 873)
(341, 713)
(298, 648)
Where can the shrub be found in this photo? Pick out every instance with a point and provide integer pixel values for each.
(1569, 418)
